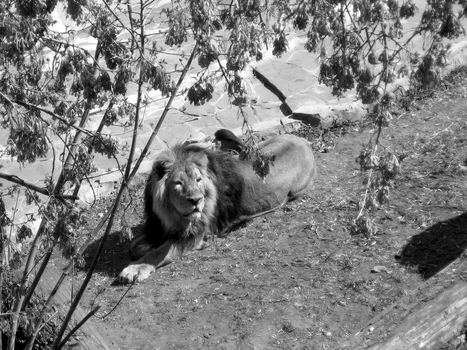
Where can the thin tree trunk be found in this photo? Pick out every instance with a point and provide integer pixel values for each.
(79, 294)
(127, 177)
(26, 292)
(2, 241)
(37, 239)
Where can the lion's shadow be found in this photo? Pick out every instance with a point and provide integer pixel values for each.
(115, 255)
(436, 247)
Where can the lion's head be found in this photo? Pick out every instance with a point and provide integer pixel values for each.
(183, 192)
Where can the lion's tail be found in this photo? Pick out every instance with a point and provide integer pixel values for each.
(245, 218)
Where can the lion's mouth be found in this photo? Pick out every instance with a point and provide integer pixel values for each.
(191, 212)
(194, 213)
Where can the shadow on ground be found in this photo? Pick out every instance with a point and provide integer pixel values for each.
(437, 246)
(115, 255)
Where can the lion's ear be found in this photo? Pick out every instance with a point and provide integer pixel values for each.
(161, 168)
(162, 165)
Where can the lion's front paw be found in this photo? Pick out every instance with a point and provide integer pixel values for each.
(135, 273)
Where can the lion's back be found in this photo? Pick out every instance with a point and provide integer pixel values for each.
(291, 174)
(294, 162)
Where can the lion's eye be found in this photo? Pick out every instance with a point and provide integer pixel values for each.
(198, 180)
(177, 183)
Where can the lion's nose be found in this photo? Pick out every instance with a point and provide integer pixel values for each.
(195, 198)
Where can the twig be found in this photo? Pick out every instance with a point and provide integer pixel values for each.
(32, 339)
(36, 279)
(441, 131)
(118, 302)
(78, 326)
(292, 13)
(367, 187)
(11, 227)
(69, 44)
(130, 31)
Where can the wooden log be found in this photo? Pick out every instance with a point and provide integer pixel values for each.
(425, 318)
(432, 324)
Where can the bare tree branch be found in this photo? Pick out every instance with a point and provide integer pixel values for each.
(42, 190)
(54, 116)
(164, 113)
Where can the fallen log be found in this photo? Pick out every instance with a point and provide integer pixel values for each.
(426, 318)
(432, 325)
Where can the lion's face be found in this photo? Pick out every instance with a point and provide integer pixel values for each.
(186, 190)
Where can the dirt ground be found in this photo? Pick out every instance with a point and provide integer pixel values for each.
(296, 278)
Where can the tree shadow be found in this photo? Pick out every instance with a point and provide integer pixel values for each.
(436, 247)
(115, 255)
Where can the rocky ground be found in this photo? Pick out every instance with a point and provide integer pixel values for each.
(296, 278)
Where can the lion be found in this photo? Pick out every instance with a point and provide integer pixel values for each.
(193, 191)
